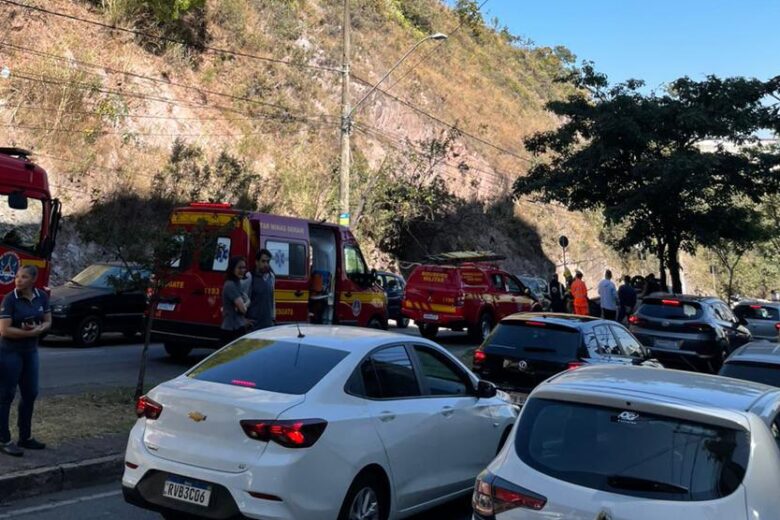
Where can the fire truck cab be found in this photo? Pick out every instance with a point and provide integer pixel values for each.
(321, 276)
(29, 218)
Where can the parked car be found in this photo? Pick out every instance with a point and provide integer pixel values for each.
(525, 349)
(762, 319)
(690, 331)
(540, 290)
(617, 442)
(757, 361)
(394, 285)
(472, 296)
(312, 423)
(104, 297)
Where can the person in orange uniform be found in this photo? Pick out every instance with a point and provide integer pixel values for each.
(579, 292)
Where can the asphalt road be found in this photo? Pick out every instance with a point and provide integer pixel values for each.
(104, 502)
(68, 369)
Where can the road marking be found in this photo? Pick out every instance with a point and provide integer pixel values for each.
(62, 503)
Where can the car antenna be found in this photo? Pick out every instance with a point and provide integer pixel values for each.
(300, 334)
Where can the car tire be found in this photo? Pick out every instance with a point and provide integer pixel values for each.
(177, 351)
(366, 494)
(402, 323)
(428, 330)
(375, 323)
(483, 328)
(87, 332)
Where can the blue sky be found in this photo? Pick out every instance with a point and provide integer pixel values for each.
(656, 41)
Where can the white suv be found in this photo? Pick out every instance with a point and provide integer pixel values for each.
(634, 443)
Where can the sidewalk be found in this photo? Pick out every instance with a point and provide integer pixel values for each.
(69, 465)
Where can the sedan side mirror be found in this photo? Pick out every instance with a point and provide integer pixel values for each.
(486, 389)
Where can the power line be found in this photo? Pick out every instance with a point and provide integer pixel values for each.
(214, 50)
(199, 90)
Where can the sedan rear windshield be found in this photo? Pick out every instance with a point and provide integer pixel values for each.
(671, 310)
(757, 372)
(274, 366)
(536, 338)
(631, 453)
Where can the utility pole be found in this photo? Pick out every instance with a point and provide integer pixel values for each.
(346, 124)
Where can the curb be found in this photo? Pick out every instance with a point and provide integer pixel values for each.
(70, 475)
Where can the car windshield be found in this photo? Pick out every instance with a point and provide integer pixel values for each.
(631, 453)
(527, 337)
(757, 372)
(101, 276)
(274, 366)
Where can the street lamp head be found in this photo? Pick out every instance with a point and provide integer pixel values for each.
(438, 36)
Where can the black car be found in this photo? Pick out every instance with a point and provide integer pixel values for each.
(695, 332)
(525, 349)
(394, 285)
(105, 297)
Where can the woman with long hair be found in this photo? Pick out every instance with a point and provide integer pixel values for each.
(234, 324)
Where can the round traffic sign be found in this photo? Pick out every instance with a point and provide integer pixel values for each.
(563, 241)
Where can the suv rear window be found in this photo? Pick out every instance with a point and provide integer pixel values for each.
(756, 372)
(631, 453)
(542, 338)
(274, 366)
(679, 310)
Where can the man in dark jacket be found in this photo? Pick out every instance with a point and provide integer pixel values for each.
(556, 295)
(626, 299)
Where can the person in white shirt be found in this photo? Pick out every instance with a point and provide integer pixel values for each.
(609, 297)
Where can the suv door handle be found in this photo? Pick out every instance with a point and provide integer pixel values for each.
(298, 293)
(447, 411)
(386, 416)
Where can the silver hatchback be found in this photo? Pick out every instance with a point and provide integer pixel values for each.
(761, 318)
(634, 443)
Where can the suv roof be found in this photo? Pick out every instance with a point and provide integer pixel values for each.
(688, 297)
(765, 352)
(664, 387)
(568, 320)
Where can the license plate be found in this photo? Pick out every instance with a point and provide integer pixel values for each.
(166, 306)
(188, 491)
(432, 317)
(667, 343)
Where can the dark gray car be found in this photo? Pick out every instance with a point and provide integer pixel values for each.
(758, 361)
(695, 332)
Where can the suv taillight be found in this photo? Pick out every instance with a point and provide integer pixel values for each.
(571, 365)
(460, 299)
(479, 357)
(145, 407)
(493, 496)
(290, 434)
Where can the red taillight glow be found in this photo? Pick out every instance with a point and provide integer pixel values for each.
(290, 434)
(755, 306)
(574, 364)
(536, 323)
(145, 407)
(777, 326)
(674, 303)
(634, 320)
(240, 382)
(479, 356)
(493, 496)
(131, 465)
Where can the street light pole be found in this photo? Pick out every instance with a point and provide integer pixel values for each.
(347, 113)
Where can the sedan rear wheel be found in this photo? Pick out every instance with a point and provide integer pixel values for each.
(365, 500)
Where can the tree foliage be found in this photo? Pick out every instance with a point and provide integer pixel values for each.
(637, 158)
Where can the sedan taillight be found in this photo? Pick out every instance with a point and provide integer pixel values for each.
(145, 407)
(290, 434)
(493, 496)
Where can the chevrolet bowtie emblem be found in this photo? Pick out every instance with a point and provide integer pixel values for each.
(196, 416)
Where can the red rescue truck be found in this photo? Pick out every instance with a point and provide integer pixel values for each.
(321, 276)
(29, 218)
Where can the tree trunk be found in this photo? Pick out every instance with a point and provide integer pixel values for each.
(662, 265)
(673, 261)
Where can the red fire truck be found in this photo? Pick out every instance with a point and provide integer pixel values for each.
(321, 276)
(29, 218)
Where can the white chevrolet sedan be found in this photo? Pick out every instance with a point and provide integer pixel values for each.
(318, 423)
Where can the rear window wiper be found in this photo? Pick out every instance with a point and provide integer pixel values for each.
(642, 484)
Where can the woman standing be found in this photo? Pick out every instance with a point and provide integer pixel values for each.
(234, 324)
(24, 316)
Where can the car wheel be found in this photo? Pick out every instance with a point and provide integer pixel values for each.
(374, 323)
(365, 500)
(402, 323)
(428, 330)
(87, 332)
(177, 351)
(483, 328)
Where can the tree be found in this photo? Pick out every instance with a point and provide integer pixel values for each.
(637, 158)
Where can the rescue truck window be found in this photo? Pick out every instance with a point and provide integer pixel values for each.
(498, 281)
(215, 255)
(21, 228)
(288, 259)
(353, 261)
(513, 286)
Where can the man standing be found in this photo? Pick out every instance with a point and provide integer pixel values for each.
(626, 298)
(579, 292)
(262, 306)
(609, 297)
(556, 295)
